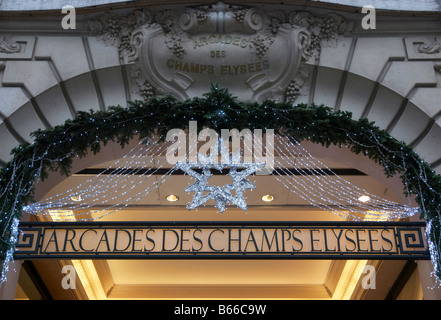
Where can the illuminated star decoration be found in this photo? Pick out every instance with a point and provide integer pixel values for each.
(221, 195)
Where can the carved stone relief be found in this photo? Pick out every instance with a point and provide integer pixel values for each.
(433, 46)
(423, 48)
(17, 47)
(257, 54)
(9, 47)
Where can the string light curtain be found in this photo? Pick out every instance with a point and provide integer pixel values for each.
(117, 187)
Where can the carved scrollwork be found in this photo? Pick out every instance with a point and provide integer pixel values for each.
(430, 47)
(192, 18)
(188, 19)
(253, 20)
(9, 47)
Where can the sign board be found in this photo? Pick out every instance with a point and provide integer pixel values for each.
(189, 240)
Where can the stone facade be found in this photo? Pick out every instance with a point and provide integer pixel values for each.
(317, 54)
(391, 75)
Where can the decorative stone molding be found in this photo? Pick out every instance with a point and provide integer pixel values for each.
(423, 48)
(433, 46)
(9, 47)
(116, 31)
(18, 47)
(298, 86)
(182, 51)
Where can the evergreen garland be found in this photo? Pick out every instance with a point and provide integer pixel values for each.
(55, 147)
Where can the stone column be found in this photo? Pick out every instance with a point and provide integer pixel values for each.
(8, 288)
(425, 269)
(430, 292)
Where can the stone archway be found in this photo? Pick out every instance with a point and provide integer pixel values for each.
(42, 89)
(332, 287)
(90, 160)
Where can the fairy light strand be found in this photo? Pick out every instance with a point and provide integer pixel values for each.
(112, 189)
